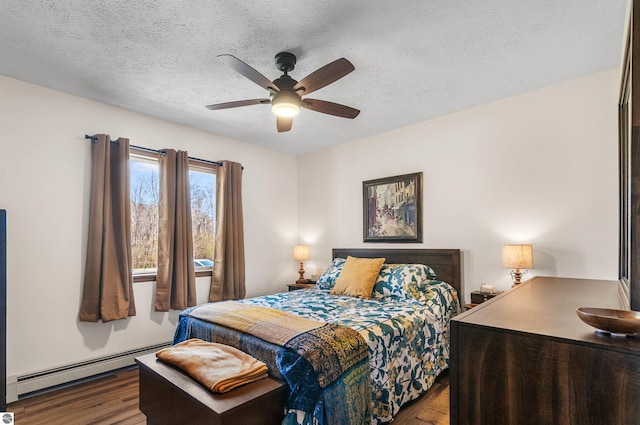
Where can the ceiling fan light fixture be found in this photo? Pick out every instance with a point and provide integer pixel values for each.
(285, 104)
(285, 93)
(286, 109)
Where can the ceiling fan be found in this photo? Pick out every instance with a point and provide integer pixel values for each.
(285, 93)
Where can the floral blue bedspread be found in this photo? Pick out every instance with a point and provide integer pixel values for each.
(408, 340)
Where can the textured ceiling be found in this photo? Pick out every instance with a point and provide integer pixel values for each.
(414, 59)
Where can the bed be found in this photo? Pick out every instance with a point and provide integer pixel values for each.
(402, 332)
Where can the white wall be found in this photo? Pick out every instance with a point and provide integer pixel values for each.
(44, 185)
(536, 168)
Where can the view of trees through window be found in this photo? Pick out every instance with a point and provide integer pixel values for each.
(144, 213)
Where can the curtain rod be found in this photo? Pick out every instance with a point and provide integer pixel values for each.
(218, 163)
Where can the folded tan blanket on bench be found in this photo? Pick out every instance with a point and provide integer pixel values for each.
(218, 367)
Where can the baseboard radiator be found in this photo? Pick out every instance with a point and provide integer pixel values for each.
(38, 381)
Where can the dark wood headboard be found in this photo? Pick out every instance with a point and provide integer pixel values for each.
(445, 262)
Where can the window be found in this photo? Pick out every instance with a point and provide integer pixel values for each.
(203, 214)
(144, 174)
(144, 213)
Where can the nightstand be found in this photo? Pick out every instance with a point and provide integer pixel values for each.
(296, 286)
(478, 297)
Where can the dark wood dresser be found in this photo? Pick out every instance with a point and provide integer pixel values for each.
(525, 357)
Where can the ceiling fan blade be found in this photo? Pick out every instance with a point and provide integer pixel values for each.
(284, 123)
(324, 76)
(330, 108)
(238, 103)
(248, 72)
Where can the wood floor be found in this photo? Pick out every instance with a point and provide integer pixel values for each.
(110, 400)
(113, 400)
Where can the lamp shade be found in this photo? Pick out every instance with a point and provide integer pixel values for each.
(285, 104)
(301, 252)
(517, 256)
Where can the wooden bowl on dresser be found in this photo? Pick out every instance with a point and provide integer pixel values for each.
(623, 322)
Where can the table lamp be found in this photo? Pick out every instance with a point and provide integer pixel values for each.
(517, 256)
(301, 253)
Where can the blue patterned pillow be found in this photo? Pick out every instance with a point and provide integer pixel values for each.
(328, 279)
(404, 282)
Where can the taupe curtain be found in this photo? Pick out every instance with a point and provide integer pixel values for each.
(108, 292)
(176, 282)
(228, 282)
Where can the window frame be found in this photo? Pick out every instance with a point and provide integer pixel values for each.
(194, 164)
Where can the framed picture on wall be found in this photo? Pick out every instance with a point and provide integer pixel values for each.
(393, 209)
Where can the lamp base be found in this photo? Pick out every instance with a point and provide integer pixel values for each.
(516, 275)
(301, 279)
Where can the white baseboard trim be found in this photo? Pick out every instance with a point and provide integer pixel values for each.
(21, 385)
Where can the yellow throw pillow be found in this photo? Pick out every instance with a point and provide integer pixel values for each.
(358, 277)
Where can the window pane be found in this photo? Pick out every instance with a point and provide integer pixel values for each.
(203, 215)
(144, 214)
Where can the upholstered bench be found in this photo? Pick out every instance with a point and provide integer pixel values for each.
(170, 397)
